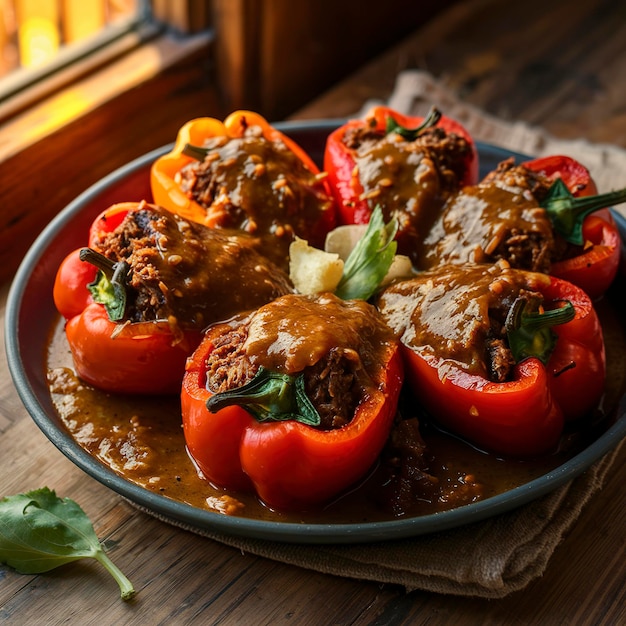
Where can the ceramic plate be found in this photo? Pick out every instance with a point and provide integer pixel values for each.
(30, 314)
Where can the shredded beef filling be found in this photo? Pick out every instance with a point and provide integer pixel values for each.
(332, 384)
(458, 313)
(337, 346)
(334, 388)
(409, 179)
(409, 474)
(499, 361)
(228, 366)
(448, 151)
(405, 470)
(186, 273)
(498, 219)
(261, 187)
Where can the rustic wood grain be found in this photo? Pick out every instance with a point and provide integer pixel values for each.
(274, 56)
(559, 65)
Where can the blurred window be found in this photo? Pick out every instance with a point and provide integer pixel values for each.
(38, 37)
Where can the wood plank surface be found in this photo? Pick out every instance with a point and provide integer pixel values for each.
(560, 65)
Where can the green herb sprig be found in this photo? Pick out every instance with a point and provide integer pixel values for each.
(40, 531)
(370, 260)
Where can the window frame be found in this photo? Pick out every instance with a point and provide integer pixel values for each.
(21, 79)
(48, 157)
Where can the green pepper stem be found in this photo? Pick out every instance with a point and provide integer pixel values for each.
(195, 152)
(410, 134)
(110, 286)
(568, 213)
(270, 397)
(104, 264)
(530, 333)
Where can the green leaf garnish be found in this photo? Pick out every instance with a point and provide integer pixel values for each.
(567, 213)
(530, 334)
(40, 531)
(270, 397)
(370, 260)
(110, 284)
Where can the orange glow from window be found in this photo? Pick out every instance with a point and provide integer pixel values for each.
(64, 108)
(38, 31)
(32, 32)
(82, 19)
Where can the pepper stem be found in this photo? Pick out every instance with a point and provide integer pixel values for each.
(410, 134)
(270, 397)
(530, 333)
(567, 213)
(110, 285)
(195, 152)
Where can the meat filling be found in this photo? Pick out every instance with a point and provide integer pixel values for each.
(187, 274)
(458, 313)
(409, 179)
(261, 187)
(339, 361)
(500, 218)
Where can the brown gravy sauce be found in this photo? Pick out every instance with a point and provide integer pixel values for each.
(141, 439)
(290, 334)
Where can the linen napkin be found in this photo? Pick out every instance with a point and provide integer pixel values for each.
(503, 554)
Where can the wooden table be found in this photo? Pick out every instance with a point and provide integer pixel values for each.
(560, 65)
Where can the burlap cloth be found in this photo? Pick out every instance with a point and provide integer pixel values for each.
(493, 558)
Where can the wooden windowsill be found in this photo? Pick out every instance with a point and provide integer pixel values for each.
(50, 152)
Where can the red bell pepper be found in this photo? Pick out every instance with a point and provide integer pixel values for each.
(595, 265)
(107, 222)
(71, 293)
(146, 357)
(262, 181)
(133, 358)
(558, 376)
(395, 184)
(146, 353)
(572, 172)
(279, 452)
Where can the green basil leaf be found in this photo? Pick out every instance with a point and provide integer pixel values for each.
(370, 260)
(40, 531)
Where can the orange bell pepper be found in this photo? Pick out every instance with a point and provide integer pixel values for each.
(280, 217)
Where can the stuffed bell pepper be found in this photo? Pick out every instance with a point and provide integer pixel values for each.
(591, 259)
(498, 356)
(405, 165)
(294, 401)
(137, 299)
(243, 173)
(538, 216)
